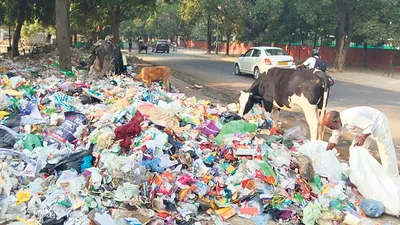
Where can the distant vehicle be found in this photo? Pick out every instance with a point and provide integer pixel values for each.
(161, 46)
(260, 59)
(174, 47)
(142, 46)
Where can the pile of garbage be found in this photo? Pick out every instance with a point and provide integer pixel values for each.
(117, 152)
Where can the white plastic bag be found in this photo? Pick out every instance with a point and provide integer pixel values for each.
(324, 161)
(372, 180)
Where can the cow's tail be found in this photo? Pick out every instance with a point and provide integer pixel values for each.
(323, 106)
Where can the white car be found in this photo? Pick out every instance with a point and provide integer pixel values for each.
(260, 59)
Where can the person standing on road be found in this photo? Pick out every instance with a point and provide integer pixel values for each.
(130, 44)
(367, 124)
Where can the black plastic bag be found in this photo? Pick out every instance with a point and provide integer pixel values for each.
(74, 161)
(227, 117)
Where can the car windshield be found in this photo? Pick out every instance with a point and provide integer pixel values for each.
(275, 51)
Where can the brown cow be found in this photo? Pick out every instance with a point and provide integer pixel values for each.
(154, 74)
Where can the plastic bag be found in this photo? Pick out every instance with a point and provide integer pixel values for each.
(67, 72)
(8, 137)
(325, 162)
(23, 195)
(372, 208)
(67, 176)
(65, 132)
(74, 161)
(372, 180)
(311, 213)
(233, 127)
(210, 128)
(86, 163)
(32, 141)
(294, 133)
(25, 158)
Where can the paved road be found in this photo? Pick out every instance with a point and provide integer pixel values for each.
(214, 71)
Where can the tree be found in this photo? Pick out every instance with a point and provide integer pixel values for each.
(318, 18)
(185, 29)
(164, 21)
(62, 27)
(354, 15)
(381, 26)
(16, 12)
(87, 17)
(29, 29)
(120, 10)
(228, 15)
(258, 16)
(199, 11)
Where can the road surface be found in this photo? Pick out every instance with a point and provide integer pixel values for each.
(350, 90)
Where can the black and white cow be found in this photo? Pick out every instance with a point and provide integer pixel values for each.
(289, 90)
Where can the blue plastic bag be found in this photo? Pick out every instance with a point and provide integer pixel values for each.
(86, 163)
(372, 208)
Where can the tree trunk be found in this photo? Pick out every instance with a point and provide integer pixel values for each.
(115, 23)
(17, 32)
(62, 26)
(301, 44)
(343, 36)
(346, 40)
(228, 39)
(315, 40)
(75, 39)
(209, 45)
(337, 40)
(340, 57)
(364, 61)
(9, 36)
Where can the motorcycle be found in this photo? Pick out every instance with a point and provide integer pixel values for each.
(174, 47)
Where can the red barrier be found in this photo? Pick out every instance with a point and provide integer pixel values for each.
(375, 57)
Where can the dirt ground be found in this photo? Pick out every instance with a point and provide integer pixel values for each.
(186, 84)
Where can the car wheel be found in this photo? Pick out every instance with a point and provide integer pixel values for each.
(256, 73)
(237, 69)
(167, 51)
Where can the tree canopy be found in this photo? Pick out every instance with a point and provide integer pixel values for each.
(367, 22)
